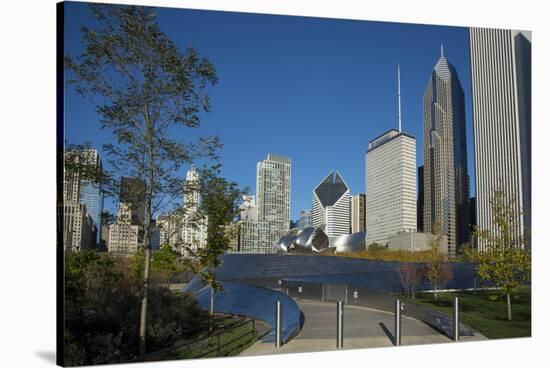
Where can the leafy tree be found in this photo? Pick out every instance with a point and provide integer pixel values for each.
(505, 260)
(218, 208)
(376, 247)
(438, 272)
(145, 90)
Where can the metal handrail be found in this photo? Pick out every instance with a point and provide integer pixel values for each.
(203, 338)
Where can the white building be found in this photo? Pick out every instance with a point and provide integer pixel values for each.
(273, 195)
(331, 206)
(123, 235)
(248, 209)
(390, 186)
(501, 95)
(194, 224)
(254, 237)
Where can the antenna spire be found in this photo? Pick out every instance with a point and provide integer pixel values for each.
(442, 54)
(399, 94)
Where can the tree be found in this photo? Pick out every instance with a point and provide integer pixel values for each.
(376, 247)
(411, 275)
(438, 272)
(505, 260)
(145, 90)
(102, 310)
(220, 206)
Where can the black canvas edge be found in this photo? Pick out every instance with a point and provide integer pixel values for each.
(60, 264)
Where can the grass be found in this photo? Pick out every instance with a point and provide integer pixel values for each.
(242, 340)
(237, 339)
(487, 316)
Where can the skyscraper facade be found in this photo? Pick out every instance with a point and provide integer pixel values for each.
(390, 186)
(195, 225)
(123, 234)
(420, 201)
(446, 190)
(82, 199)
(331, 206)
(305, 219)
(358, 223)
(501, 96)
(132, 192)
(273, 195)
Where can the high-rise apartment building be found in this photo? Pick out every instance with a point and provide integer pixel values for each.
(390, 186)
(273, 195)
(446, 183)
(255, 237)
(331, 206)
(501, 95)
(305, 219)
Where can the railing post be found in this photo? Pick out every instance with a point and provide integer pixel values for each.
(339, 325)
(278, 324)
(397, 324)
(211, 308)
(456, 321)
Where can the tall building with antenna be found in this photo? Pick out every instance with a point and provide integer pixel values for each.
(446, 182)
(390, 163)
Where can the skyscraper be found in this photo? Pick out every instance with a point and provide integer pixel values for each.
(390, 186)
(331, 206)
(501, 95)
(82, 199)
(358, 213)
(305, 219)
(124, 235)
(420, 201)
(273, 195)
(194, 231)
(446, 191)
(132, 193)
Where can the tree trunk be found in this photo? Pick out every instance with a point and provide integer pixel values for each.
(509, 306)
(148, 198)
(143, 319)
(435, 291)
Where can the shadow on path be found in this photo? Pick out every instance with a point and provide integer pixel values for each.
(387, 332)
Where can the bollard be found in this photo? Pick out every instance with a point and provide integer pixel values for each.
(456, 322)
(211, 308)
(339, 325)
(397, 325)
(278, 324)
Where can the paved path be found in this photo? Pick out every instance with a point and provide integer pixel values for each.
(363, 328)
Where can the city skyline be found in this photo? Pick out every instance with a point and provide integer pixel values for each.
(362, 101)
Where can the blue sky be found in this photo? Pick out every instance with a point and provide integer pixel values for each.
(315, 90)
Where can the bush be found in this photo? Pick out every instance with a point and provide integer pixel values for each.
(102, 310)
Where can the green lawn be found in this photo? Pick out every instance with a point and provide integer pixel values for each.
(485, 315)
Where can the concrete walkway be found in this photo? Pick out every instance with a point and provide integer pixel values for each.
(363, 328)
